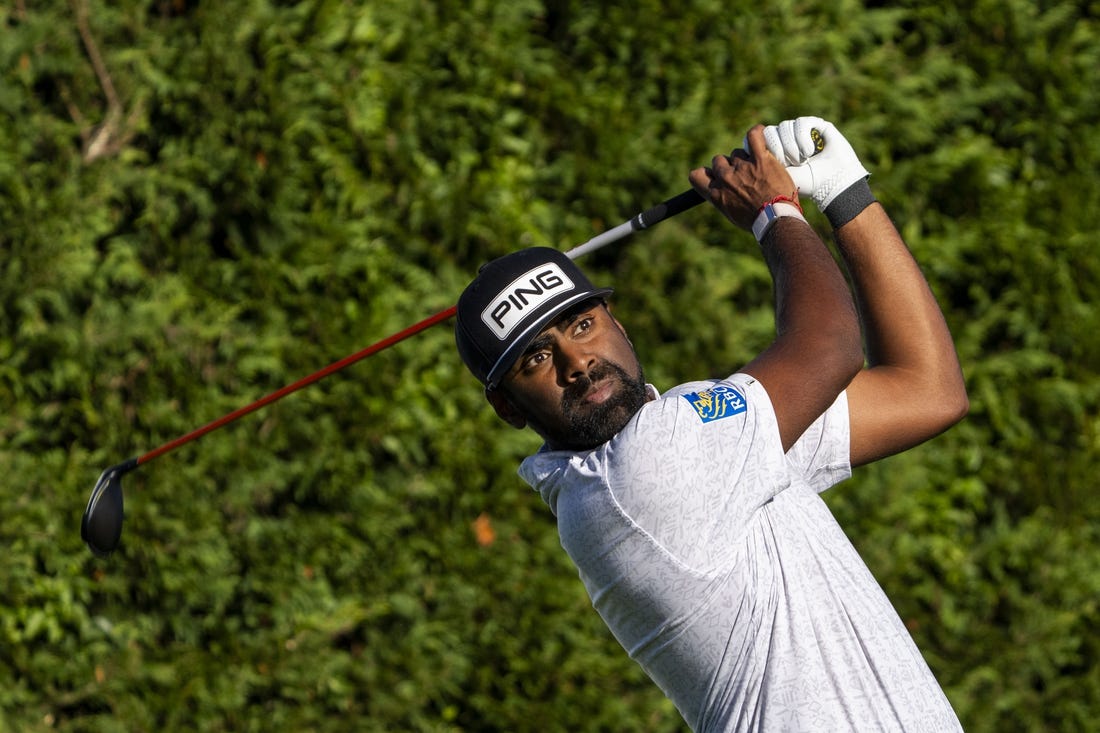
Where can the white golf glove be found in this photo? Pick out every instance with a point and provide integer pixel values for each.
(823, 166)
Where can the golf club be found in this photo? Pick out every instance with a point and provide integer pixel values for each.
(101, 525)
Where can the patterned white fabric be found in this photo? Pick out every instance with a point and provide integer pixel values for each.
(716, 565)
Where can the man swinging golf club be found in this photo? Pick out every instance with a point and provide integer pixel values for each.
(693, 515)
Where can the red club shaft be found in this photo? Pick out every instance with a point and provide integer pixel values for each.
(303, 382)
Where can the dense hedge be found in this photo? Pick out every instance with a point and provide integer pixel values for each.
(202, 202)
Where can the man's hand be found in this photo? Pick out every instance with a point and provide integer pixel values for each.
(740, 183)
(819, 159)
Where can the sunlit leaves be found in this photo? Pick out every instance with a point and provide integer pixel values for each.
(306, 178)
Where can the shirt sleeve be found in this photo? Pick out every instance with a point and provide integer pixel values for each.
(821, 454)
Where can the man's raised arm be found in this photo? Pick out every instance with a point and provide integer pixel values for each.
(912, 388)
(816, 351)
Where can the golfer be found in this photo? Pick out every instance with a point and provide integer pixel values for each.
(693, 515)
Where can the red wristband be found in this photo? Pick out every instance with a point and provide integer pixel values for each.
(777, 199)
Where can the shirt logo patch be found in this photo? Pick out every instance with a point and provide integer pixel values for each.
(717, 402)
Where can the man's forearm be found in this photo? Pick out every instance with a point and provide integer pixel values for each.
(810, 291)
(914, 388)
(902, 322)
(817, 347)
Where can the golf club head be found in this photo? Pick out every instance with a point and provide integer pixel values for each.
(101, 526)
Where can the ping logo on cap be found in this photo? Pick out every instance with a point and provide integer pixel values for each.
(524, 296)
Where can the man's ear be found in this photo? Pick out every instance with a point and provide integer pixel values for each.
(505, 409)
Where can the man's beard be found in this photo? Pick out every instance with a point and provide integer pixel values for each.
(592, 425)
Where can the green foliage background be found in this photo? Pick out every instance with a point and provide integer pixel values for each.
(201, 202)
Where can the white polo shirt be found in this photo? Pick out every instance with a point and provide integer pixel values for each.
(716, 565)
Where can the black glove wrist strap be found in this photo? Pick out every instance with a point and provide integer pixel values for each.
(849, 203)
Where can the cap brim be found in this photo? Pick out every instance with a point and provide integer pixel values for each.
(525, 337)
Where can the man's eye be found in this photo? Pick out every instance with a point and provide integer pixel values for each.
(534, 360)
(584, 324)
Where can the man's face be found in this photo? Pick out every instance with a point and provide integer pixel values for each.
(577, 384)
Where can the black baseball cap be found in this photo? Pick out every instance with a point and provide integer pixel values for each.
(510, 302)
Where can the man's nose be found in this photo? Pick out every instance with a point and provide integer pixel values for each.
(573, 361)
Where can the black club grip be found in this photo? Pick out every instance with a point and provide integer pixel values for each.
(673, 206)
